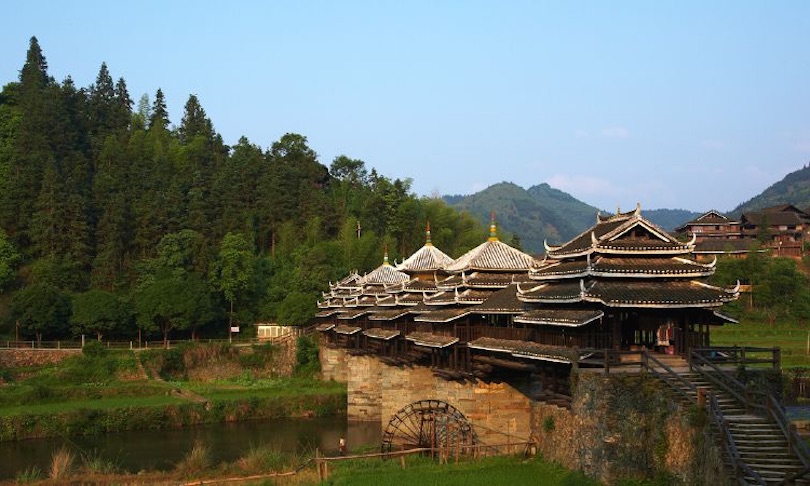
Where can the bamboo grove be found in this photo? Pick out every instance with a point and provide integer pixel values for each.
(114, 222)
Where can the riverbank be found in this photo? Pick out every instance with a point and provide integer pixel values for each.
(100, 391)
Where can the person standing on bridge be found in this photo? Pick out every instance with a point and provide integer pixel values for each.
(342, 446)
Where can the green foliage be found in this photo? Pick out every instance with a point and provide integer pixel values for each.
(780, 289)
(41, 310)
(99, 312)
(548, 424)
(95, 350)
(95, 197)
(307, 361)
(28, 475)
(9, 257)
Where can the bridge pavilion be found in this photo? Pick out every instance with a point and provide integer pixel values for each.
(622, 284)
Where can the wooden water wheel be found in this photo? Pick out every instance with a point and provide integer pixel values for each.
(428, 424)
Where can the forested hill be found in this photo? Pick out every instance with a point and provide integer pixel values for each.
(533, 215)
(115, 221)
(544, 213)
(794, 189)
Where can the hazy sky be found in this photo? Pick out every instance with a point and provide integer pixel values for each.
(683, 104)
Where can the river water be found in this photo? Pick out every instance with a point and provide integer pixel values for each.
(162, 449)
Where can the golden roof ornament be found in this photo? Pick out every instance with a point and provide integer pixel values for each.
(493, 232)
(427, 235)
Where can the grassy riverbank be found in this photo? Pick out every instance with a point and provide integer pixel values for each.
(110, 391)
(267, 466)
(791, 337)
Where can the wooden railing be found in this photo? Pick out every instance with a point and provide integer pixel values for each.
(135, 345)
(739, 355)
(653, 365)
(741, 469)
(722, 379)
(610, 358)
(795, 442)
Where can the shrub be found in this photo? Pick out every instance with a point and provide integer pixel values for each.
(94, 349)
(306, 357)
(197, 460)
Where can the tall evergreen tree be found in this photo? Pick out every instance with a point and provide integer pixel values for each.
(159, 115)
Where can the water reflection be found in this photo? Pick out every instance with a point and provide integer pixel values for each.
(160, 450)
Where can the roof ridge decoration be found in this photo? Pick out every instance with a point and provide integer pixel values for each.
(493, 232)
(426, 259)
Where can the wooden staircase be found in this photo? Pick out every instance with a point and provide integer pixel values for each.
(758, 443)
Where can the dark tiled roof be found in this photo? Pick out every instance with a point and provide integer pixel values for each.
(501, 301)
(431, 340)
(645, 245)
(417, 285)
(473, 296)
(387, 301)
(775, 217)
(526, 349)
(442, 298)
(389, 314)
(565, 291)
(327, 313)
(353, 313)
(650, 266)
(573, 268)
(380, 333)
(584, 240)
(409, 298)
(725, 246)
(344, 329)
(708, 218)
(489, 279)
(559, 317)
(657, 294)
(450, 282)
(443, 314)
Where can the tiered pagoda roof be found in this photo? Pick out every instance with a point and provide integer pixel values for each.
(476, 275)
(427, 259)
(624, 261)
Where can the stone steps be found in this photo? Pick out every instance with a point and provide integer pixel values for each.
(759, 440)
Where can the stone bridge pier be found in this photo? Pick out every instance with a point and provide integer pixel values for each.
(498, 412)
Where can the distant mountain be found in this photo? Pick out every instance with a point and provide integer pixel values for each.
(534, 215)
(669, 219)
(793, 189)
(544, 213)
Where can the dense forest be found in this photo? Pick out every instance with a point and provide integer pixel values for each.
(116, 223)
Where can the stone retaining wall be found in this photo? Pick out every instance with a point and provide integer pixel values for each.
(24, 358)
(620, 426)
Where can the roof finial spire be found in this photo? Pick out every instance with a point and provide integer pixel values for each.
(493, 232)
(618, 210)
(427, 234)
(385, 257)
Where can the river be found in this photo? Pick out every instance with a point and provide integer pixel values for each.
(161, 449)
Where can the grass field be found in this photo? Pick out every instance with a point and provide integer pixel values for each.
(791, 338)
(484, 472)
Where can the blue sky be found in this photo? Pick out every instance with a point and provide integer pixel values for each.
(689, 104)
